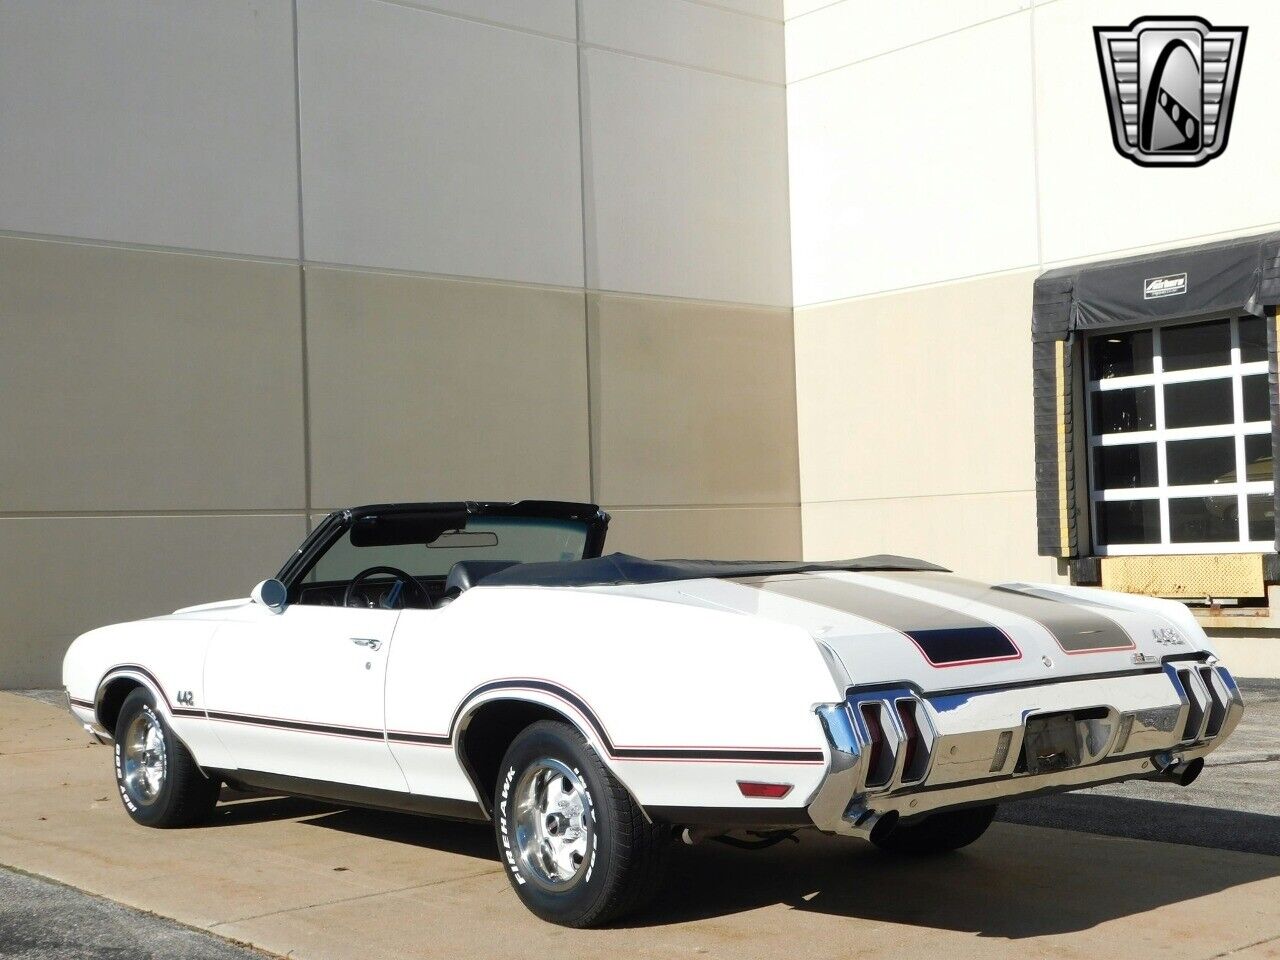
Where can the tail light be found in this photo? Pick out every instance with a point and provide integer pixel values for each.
(895, 734)
(915, 759)
(1217, 705)
(1196, 706)
(879, 761)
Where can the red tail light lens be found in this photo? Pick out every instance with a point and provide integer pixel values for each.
(875, 753)
(907, 714)
(767, 791)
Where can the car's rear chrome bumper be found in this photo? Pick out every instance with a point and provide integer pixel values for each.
(897, 752)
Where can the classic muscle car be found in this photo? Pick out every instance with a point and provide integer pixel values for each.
(483, 661)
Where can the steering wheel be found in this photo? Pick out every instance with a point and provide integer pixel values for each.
(393, 599)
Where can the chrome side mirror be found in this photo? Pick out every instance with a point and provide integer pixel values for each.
(272, 594)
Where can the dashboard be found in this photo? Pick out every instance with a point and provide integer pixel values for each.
(369, 594)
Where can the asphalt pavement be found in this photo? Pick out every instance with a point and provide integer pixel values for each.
(41, 920)
(1234, 805)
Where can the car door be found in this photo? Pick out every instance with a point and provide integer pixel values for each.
(433, 669)
(300, 693)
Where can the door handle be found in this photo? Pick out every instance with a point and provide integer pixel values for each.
(369, 642)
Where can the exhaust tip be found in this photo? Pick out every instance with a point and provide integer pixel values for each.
(870, 824)
(1176, 771)
(1186, 774)
(883, 826)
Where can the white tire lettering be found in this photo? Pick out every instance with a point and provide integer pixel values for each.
(502, 826)
(124, 794)
(595, 834)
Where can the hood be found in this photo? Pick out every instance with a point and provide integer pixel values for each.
(935, 629)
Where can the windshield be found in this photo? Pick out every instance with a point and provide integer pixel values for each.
(429, 545)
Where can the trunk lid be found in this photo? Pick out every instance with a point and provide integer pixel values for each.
(937, 630)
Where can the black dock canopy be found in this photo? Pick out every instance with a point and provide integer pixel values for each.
(1225, 279)
(1217, 279)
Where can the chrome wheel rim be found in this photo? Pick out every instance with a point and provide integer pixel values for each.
(554, 826)
(146, 758)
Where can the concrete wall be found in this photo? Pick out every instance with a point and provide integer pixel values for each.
(261, 259)
(941, 156)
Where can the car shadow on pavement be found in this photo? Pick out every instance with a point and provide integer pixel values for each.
(1011, 884)
(458, 837)
(235, 808)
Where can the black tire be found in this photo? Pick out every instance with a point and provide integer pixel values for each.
(938, 832)
(180, 795)
(621, 864)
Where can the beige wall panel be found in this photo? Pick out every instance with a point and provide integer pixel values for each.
(147, 381)
(66, 575)
(717, 533)
(915, 167)
(169, 124)
(836, 34)
(685, 177)
(692, 403)
(429, 389)
(1251, 653)
(558, 17)
(918, 393)
(771, 9)
(692, 34)
(987, 537)
(799, 8)
(440, 145)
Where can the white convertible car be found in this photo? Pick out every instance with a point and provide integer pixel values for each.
(483, 661)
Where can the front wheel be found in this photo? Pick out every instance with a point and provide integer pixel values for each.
(159, 782)
(578, 849)
(939, 832)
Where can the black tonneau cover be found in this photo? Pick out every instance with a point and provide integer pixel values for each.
(621, 568)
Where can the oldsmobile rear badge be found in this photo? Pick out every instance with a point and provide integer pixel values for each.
(1170, 84)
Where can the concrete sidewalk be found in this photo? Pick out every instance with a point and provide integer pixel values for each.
(307, 880)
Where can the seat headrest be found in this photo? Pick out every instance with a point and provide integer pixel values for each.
(467, 573)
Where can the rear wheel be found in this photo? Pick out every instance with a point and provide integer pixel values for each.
(578, 849)
(938, 832)
(160, 784)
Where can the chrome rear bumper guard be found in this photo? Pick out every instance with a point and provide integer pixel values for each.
(894, 751)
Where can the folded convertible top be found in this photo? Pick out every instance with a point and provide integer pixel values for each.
(621, 568)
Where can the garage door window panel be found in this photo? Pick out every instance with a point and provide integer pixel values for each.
(1179, 428)
(1128, 466)
(1125, 411)
(1193, 462)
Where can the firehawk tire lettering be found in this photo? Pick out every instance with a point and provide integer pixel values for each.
(503, 821)
(595, 834)
(619, 868)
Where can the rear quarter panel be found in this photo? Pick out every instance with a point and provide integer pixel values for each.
(653, 676)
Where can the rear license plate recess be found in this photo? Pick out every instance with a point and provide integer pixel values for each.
(1052, 742)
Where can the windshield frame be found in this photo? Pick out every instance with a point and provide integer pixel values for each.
(336, 525)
